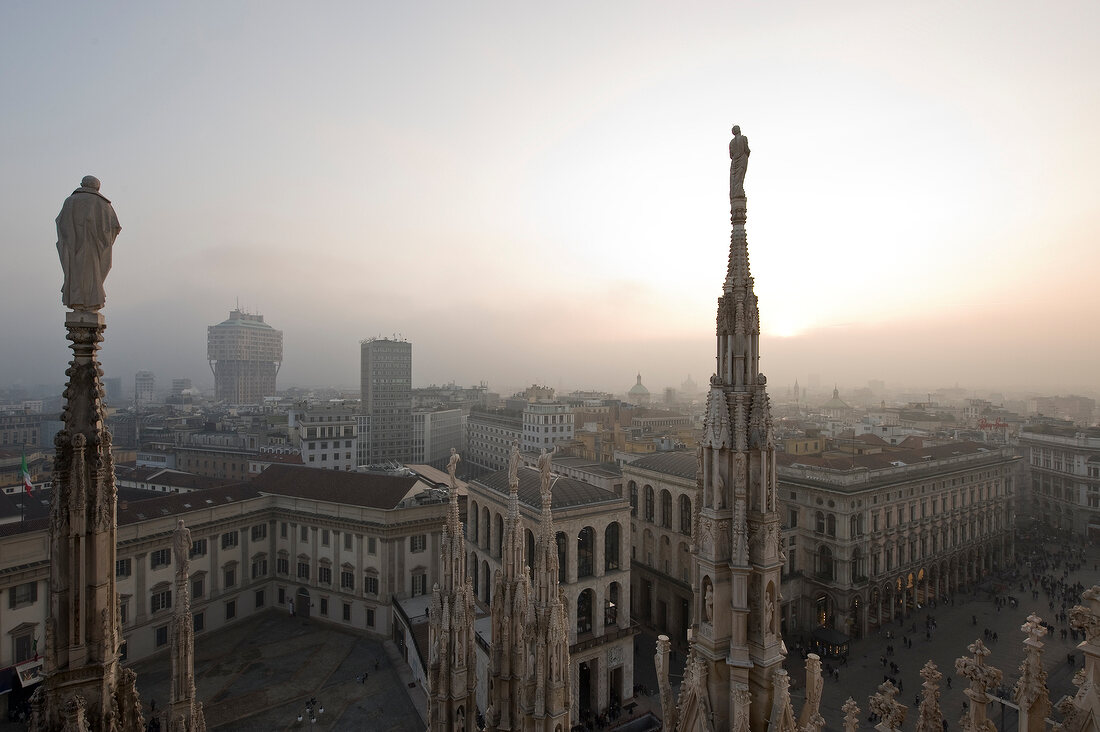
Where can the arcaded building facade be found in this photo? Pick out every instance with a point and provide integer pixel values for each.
(871, 538)
(591, 526)
(1063, 465)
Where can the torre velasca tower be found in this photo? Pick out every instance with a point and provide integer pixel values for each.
(245, 354)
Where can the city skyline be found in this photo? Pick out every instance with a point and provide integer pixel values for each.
(541, 201)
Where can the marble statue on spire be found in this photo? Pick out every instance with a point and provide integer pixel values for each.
(739, 163)
(86, 231)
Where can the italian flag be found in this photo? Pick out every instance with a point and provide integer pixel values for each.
(28, 486)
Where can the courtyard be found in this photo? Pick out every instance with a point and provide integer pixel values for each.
(259, 674)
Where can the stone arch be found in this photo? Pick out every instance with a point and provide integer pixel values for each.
(612, 546)
(666, 508)
(830, 524)
(563, 558)
(483, 537)
(633, 498)
(824, 559)
(498, 535)
(685, 514)
(585, 606)
(486, 579)
(586, 552)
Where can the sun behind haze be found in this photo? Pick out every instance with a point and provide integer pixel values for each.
(540, 193)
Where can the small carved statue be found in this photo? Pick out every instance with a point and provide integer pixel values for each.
(181, 547)
(739, 162)
(452, 464)
(86, 232)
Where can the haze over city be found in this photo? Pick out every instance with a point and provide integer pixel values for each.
(540, 195)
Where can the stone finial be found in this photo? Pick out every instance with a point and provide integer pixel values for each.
(983, 679)
(885, 706)
(1081, 712)
(513, 467)
(851, 715)
(811, 720)
(668, 704)
(1031, 689)
(929, 714)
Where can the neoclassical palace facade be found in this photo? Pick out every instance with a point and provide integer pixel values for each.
(871, 538)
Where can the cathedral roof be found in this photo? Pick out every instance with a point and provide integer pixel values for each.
(567, 492)
(680, 464)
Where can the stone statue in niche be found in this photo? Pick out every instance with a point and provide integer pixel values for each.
(86, 232)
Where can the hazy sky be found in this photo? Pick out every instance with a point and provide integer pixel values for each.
(539, 192)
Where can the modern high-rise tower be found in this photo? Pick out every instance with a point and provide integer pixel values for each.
(386, 382)
(245, 354)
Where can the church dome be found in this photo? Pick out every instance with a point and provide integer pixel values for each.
(638, 390)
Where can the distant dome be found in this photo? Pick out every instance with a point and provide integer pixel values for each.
(638, 390)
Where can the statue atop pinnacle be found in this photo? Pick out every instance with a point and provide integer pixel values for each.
(739, 162)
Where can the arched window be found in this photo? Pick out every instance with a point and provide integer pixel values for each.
(824, 563)
(584, 612)
(483, 527)
(819, 522)
(611, 547)
(633, 498)
(498, 535)
(685, 515)
(586, 545)
(530, 553)
(649, 503)
(611, 605)
(471, 522)
(830, 524)
(858, 569)
(562, 573)
(666, 509)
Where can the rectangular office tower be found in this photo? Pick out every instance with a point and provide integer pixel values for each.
(245, 354)
(386, 382)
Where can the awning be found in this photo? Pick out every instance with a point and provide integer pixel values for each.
(30, 673)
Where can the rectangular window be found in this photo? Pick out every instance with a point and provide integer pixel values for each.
(370, 617)
(347, 612)
(371, 584)
(122, 567)
(324, 606)
(420, 584)
(230, 576)
(371, 546)
(123, 614)
(347, 580)
(198, 548)
(303, 570)
(282, 595)
(324, 537)
(230, 609)
(324, 575)
(305, 533)
(161, 600)
(347, 541)
(259, 568)
(259, 598)
(161, 635)
(282, 565)
(282, 529)
(259, 532)
(230, 539)
(418, 543)
(160, 558)
(197, 587)
(199, 622)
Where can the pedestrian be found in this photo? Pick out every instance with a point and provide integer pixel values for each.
(948, 682)
(291, 604)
